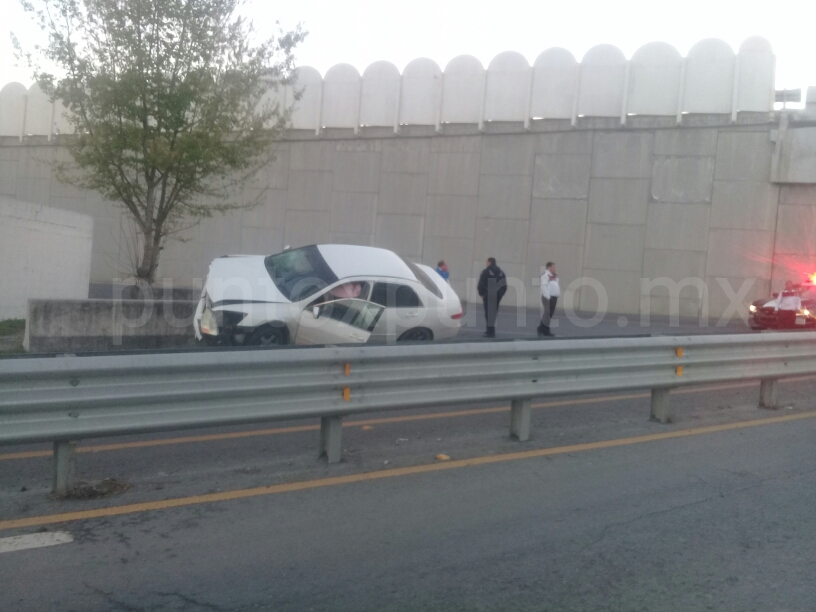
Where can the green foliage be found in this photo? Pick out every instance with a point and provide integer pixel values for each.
(172, 103)
(11, 327)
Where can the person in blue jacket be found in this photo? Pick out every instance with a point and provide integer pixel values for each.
(442, 270)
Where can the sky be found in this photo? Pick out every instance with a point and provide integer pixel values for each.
(360, 32)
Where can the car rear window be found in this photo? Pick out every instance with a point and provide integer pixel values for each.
(299, 273)
(424, 279)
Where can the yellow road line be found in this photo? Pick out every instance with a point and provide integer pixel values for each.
(178, 502)
(98, 448)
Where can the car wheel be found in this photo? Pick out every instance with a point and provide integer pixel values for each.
(267, 335)
(418, 334)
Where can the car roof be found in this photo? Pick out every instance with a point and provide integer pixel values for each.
(348, 260)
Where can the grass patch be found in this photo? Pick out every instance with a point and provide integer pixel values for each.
(12, 327)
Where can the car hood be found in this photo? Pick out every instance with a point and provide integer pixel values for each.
(239, 279)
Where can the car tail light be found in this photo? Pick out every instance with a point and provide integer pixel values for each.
(458, 315)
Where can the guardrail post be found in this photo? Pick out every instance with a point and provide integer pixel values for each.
(520, 410)
(768, 393)
(64, 466)
(331, 438)
(661, 408)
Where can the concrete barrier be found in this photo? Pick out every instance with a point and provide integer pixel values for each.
(60, 326)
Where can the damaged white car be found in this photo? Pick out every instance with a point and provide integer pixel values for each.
(324, 294)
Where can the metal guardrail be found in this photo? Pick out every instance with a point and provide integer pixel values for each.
(67, 398)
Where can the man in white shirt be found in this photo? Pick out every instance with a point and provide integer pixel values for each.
(544, 326)
(788, 303)
(554, 289)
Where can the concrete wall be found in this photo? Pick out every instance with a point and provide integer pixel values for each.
(616, 204)
(58, 326)
(45, 252)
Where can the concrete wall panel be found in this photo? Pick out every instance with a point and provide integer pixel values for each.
(562, 176)
(309, 191)
(622, 289)
(614, 247)
(400, 233)
(565, 143)
(454, 174)
(508, 154)
(344, 238)
(744, 156)
(740, 253)
(270, 213)
(682, 179)
(46, 253)
(357, 171)
(412, 155)
(558, 221)
(681, 227)
(686, 141)
(451, 216)
(505, 197)
(353, 213)
(312, 156)
(305, 227)
(795, 230)
(622, 155)
(798, 195)
(403, 193)
(744, 205)
(261, 240)
(618, 201)
(506, 240)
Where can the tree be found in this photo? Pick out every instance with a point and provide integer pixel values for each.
(171, 101)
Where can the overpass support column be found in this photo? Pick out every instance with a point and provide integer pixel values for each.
(64, 466)
(331, 438)
(661, 407)
(768, 397)
(520, 410)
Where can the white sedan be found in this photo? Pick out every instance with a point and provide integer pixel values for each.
(324, 294)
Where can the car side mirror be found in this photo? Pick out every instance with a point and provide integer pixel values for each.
(316, 312)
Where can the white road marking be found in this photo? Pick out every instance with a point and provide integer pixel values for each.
(34, 540)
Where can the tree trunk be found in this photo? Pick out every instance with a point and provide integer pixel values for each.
(146, 270)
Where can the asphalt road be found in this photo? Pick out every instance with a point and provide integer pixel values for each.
(603, 510)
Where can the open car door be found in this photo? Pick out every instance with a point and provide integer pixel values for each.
(338, 322)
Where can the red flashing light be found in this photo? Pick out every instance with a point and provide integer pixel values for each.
(458, 315)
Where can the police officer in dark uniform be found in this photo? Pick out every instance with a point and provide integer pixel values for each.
(492, 287)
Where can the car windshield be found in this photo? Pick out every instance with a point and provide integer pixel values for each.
(299, 273)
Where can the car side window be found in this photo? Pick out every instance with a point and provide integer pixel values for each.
(355, 289)
(357, 313)
(392, 295)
